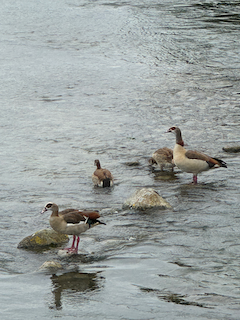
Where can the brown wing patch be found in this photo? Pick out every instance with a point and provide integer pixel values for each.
(77, 216)
(201, 156)
(103, 174)
(165, 152)
(91, 214)
(169, 154)
(162, 155)
(214, 161)
(73, 217)
(68, 211)
(197, 155)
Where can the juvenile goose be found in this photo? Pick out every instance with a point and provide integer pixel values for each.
(163, 158)
(72, 222)
(102, 177)
(192, 161)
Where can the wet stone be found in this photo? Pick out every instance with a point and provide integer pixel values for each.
(43, 238)
(51, 265)
(146, 198)
(132, 163)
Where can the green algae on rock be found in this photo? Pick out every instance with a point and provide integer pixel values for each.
(43, 238)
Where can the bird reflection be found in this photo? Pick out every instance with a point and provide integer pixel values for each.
(74, 282)
(164, 175)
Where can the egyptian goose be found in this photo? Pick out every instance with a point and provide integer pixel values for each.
(163, 158)
(102, 177)
(72, 222)
(192, 161)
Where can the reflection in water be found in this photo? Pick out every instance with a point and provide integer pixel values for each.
(173, 297)
(221, 12)
(76, 282)
(164, 175)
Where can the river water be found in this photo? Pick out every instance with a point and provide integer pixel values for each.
(105, 79)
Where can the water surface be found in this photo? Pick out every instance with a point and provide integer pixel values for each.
(83, 80)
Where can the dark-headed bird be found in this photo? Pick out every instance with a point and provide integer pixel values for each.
(102, 177)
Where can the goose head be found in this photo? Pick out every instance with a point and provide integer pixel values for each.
(50, 206)
(173, 130)
(178, 135)
(97, 163)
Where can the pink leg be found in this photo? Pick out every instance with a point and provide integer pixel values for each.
(74, 249)
(73, 244)
(78, 239)
(195, 179)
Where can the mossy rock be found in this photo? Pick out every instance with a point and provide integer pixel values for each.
(43, 238)
(146, 198)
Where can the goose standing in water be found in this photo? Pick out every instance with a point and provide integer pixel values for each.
(102, 177)
(192, 161)
(163, 158)
(72, 222)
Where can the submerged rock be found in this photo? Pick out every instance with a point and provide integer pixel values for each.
(132, 163)
(65, 253)
(43, 238)
(146, 198)
(234, 149)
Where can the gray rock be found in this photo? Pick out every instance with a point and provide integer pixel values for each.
(51, 265)
(43, 238)
(146, 198)
(132, 163)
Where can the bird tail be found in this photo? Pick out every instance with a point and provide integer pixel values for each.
(106, 183)
(221, 163)
(93, 222)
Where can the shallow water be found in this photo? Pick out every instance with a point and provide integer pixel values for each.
(105, 79)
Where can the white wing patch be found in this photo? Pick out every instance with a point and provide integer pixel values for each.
(75, 224)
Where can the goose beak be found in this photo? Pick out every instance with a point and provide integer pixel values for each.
(43, 210)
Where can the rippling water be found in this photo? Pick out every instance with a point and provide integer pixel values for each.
(105, 79)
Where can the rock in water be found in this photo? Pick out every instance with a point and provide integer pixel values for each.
(233, 149)
(146, 198)
(43, 238)
(51, 265)
(65, 253)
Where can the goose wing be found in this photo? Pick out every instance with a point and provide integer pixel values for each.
(103, 174)
(201, 156)
(77, 216)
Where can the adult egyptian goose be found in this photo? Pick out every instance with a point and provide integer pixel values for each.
(163, 158)
(102, 177)
(192, 161)
(72, 222)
